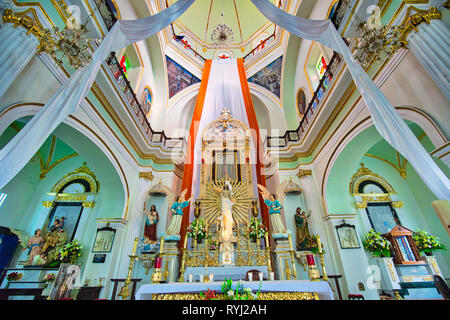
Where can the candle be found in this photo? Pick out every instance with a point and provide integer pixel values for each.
(135, 245)
(319, 244)
(310, 259)
(158, 263)
(185, 241)
(266, 237)
(191, 277)
(162, 245)
(211, 277)
(272, 276)
(250, 277)
(260, 276)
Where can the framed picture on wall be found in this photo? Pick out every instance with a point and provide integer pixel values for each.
(347, 236)
(104, 239)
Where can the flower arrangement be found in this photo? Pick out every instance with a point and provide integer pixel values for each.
(70, 252)
(426, 243)
(49, 277)
(256, 229)
(197, 229)
(14, 276)
(209, 295)
(376, 244)
(239, 293)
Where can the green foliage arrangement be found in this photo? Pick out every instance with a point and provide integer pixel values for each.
(426, 243)
(239, 293)
(376, 244)
(70, 252)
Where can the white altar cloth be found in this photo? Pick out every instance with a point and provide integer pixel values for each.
(321, 287)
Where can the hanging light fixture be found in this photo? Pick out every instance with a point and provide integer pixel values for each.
(222, 34)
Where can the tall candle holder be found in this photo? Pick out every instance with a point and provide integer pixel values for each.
(269, 265)
(294, 271)
(183, 260)
(322, 263)
(125, 291)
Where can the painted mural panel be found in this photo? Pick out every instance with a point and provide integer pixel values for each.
(269, 77)
(179, 78)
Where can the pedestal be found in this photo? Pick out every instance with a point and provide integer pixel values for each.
(390, 280)
(284, 270)
(170, 258)
(433, 267)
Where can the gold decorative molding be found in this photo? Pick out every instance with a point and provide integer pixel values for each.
(88, 204)
(303, 173)
(397, 204)
(33, 26)
(364, 174)
(361, 205)
(412, 21)
(47, 204)
(71, 197)
(83, 173)
(146, 175)
(262, 296)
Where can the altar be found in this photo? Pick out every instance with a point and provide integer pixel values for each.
(271, 290)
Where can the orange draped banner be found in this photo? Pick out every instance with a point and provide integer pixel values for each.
(253, 122)
(189, 162)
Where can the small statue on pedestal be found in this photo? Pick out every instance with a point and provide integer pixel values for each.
(34, 246)
(150, 224)
(177, 214)
(304, 239)
(274, 202)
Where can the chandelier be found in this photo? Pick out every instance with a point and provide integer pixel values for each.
(376, 41)
(222, 35)
(71, 44)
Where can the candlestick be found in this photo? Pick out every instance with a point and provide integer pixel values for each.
(135, 245)
(266, 238)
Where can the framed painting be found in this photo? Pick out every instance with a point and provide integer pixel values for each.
(347, 236)
(104, 239)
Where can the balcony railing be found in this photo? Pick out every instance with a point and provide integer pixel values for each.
(324, 84)
(124, 84)
(107, 11)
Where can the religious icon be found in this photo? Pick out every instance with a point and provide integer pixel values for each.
(34, 246)
(146, 100)
(151, 221)
(347, 236)
(274, 201)
(226, 166)
(226, 218)
(176, 205)
(304, 239)
(301, 101)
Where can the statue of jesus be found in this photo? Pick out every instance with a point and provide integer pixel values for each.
(226, 219)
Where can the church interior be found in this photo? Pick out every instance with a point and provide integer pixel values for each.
(224, 149)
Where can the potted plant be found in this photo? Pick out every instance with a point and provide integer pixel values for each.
(426, 243)
(377, 245)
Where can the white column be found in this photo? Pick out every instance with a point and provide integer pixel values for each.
(313, 201)
(430, 45)
(134, 226)
(16, 50)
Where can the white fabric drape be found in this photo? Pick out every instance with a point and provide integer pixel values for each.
(16, 154)
(16, 50)
(386, 119)
(223, 91)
